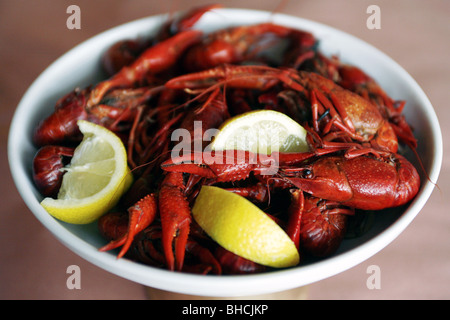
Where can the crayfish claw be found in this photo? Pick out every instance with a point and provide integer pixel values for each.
(175, 219)
(141, 215)
(174, 240)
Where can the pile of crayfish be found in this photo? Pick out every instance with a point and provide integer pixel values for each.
(355, 132)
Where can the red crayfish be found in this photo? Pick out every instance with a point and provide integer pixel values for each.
(182, 78)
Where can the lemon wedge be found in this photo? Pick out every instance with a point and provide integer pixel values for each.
(96, 177)
(261, 131)
(242, 228)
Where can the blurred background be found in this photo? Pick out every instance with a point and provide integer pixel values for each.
(33, 34)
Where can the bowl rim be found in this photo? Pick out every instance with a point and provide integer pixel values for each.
(216, 285)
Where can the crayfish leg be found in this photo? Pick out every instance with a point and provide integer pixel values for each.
(295, 216)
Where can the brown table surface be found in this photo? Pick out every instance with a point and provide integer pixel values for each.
(33, 34)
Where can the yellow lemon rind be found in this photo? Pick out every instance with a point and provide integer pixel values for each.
(242, 228)
(87, 210)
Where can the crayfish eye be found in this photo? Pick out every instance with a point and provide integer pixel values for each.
(307, 174)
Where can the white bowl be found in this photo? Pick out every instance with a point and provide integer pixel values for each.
(80, 67)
